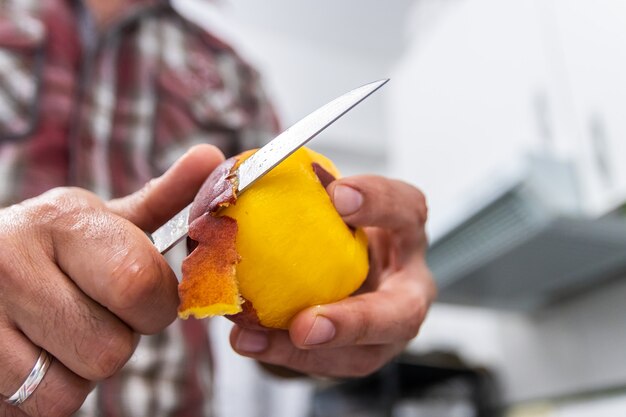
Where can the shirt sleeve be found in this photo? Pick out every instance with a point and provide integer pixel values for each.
(21, 65)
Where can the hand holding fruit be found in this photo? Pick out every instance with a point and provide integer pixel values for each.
(359, 334)
(292, 257)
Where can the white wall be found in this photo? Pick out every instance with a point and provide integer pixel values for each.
(572, 348)
(464, 102)
(490, 82)
(494, 80)
(592, 40)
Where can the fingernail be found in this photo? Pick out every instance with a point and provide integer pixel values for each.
(347, 200)
(322, 331)
(252, 341)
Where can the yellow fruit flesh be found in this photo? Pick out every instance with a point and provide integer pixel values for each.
(295, 249)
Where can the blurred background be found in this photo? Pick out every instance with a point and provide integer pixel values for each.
(511, 116)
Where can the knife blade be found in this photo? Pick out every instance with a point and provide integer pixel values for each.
(270, 155)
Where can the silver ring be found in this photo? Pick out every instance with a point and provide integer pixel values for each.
(32, 380)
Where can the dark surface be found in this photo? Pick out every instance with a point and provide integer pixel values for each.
(436, 382)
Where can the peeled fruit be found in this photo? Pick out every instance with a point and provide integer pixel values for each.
(273, 251)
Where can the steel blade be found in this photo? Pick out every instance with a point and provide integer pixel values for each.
(270, 155)
(300, 133)
(172, 232)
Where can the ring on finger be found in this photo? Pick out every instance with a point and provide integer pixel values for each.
(32, 380)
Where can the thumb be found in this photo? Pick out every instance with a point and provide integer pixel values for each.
(166, 195)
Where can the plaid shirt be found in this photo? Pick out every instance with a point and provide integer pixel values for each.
(108, 111)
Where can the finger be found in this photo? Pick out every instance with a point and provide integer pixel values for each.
(392, 314)
(351, 361)
(370, 200)
(79, 332)
(44, 301)
(109, 258)
(8, 411)
(60, 392)
(165, 196)
(115, 264)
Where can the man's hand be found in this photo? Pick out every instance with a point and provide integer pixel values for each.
(358, 335)
(80, 279)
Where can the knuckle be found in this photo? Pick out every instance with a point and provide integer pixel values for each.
(417, 204)
(362, 369)
(25, 253)
(65, 403)
(58, 214)
(112, 355)
(432, 291)
(374, 359)
(364, 327)
(380, 357)
(61, 398)
(416, 306)
(420, 207)
(149, 214)
(296, 358)
(309, 362)
(134, 279)
(144, 193)
(58, 205)
(412, 327)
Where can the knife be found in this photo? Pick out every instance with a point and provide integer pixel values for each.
(270, 155)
